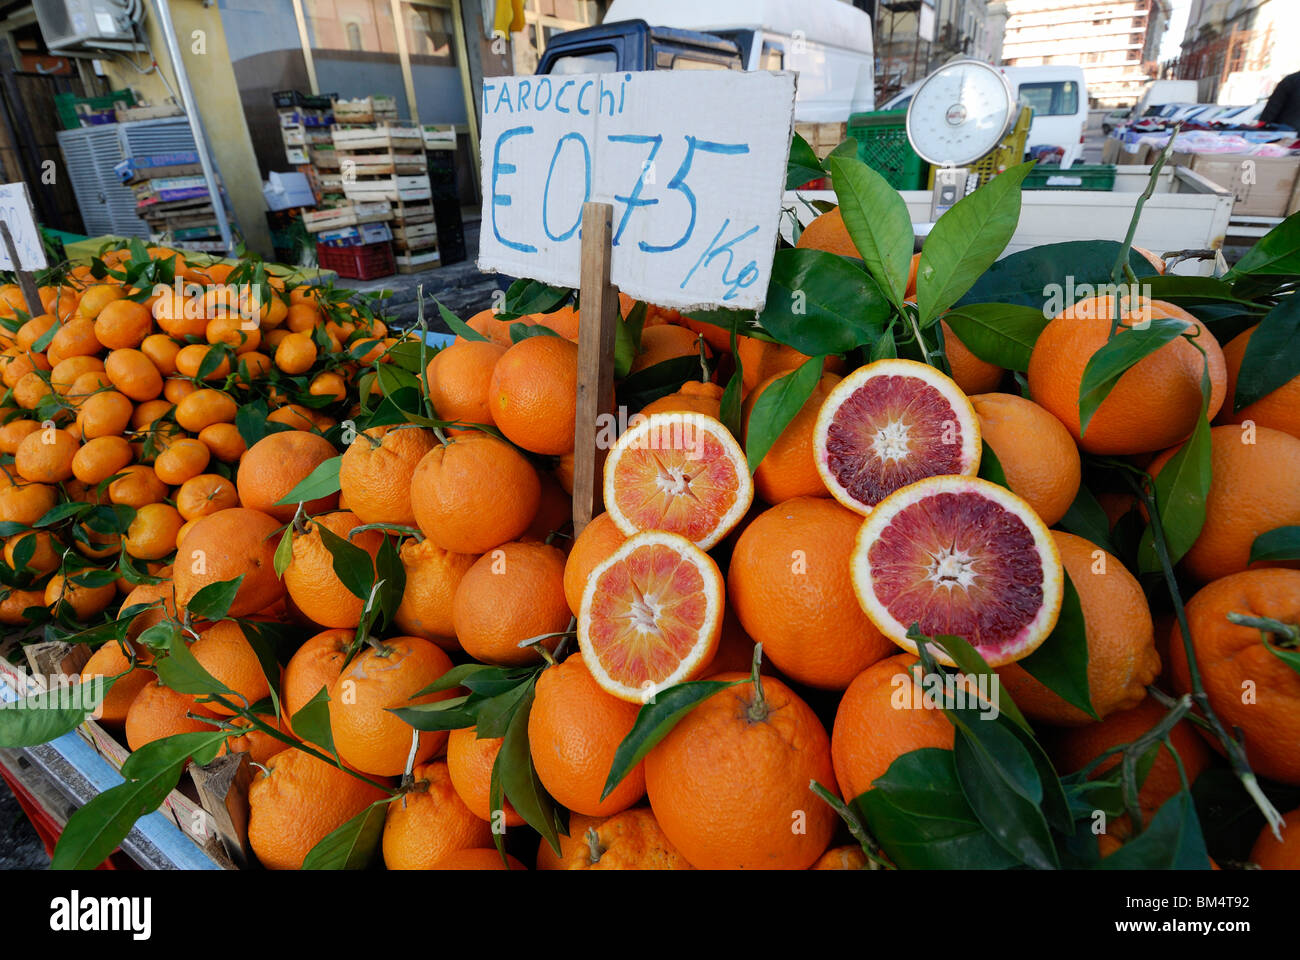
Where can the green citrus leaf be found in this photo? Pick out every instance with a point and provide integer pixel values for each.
(1087, 519)
(802, 164)
(776, 406)
(1280, 543)
(1272, 356)
(1061, 663)
(1128, 347)
(655, 720)
(820, 303)
(1052, 276)
(966, 241)
(999, 333)
(353, 845)
(877, 221)
(351, 564)
(213, 601)
(1171, 841)
(921, 818)
(312, 722)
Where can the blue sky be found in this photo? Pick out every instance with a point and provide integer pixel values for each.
(1173, 38)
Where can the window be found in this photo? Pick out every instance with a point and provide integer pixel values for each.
(773, 58)
(429, 36)
(606, 61)
(1051, 99)
(353, 31)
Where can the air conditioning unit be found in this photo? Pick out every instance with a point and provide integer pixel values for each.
(87, 27)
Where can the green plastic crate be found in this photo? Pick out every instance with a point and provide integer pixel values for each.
(69, 104)
(883, 146)
(1081, 176)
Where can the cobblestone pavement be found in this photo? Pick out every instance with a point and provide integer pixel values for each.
(20, 848)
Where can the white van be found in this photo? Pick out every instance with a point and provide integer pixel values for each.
(1059, 97)
(1158, 93)
(827, 41)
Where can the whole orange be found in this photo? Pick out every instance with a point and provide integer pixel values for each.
(871, 732)
(1154, 404)
(158, 712)
(665, 342)
(1037, 453)
(224, 651)
(969, 372)
(533, 394)
(277, 463)
(598, 540)
(1253, 489)
(296, 802)
(432, 576)
(430, 822)
(477, 859)
(313, 666)
(470, 762)
(458, 379)
(1078, 747)
(730, 781)
(1249, 686)
(1122, 657)
(310, 579)
(386, 675)
(1269, 853)
(474, 493)
(376, 470)
(630, 840)
(1279, 409)
(574, 729)
(510, 594)
(109, 661)
(789, 583)
(789, 468)
(695, 396)
(225, 545)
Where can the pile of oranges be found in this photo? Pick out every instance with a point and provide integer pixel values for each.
(477, 511)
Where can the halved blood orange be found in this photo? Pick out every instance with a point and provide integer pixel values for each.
(651, 615)
(959, 556)
(889, 424)
(680, 472)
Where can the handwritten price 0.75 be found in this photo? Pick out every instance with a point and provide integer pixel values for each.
(631, 201)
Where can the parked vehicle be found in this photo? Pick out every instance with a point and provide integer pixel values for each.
(827, 42)
(1159, 93)
(1059, 98)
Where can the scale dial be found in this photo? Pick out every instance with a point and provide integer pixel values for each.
(959, 113)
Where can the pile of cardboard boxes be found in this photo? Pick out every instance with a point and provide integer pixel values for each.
(1261, 186)
(171, 195)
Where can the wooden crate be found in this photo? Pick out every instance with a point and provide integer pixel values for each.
(414, 263)
(380, 163)
(364, 109)
(405, 137)
(211, 811)
(323, 157)
(392, 189)
(349, 215)
(439, 136)
(408, 238)
(413, 212)
(822, 137)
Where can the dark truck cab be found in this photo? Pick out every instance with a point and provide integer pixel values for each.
(635, 45)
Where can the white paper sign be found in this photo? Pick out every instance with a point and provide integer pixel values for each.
(16, 212)
(693, 163)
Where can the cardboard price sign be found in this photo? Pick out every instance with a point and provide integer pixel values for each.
(692, 162)
(16, 214)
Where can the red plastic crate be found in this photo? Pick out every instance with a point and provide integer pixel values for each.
(364, 262)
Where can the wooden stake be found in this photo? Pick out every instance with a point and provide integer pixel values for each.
(596, 337)
(25, 280)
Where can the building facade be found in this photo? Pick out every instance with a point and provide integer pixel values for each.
(1237, 50)
(913, 37)
(1117, 42)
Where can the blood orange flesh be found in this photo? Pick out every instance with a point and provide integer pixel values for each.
(651, 615)
(889, 424)
(680, 472)
(959, 556)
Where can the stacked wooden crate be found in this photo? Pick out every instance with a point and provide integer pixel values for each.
(172, 196)
(385, 161)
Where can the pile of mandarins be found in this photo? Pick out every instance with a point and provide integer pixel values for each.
(858, 521)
